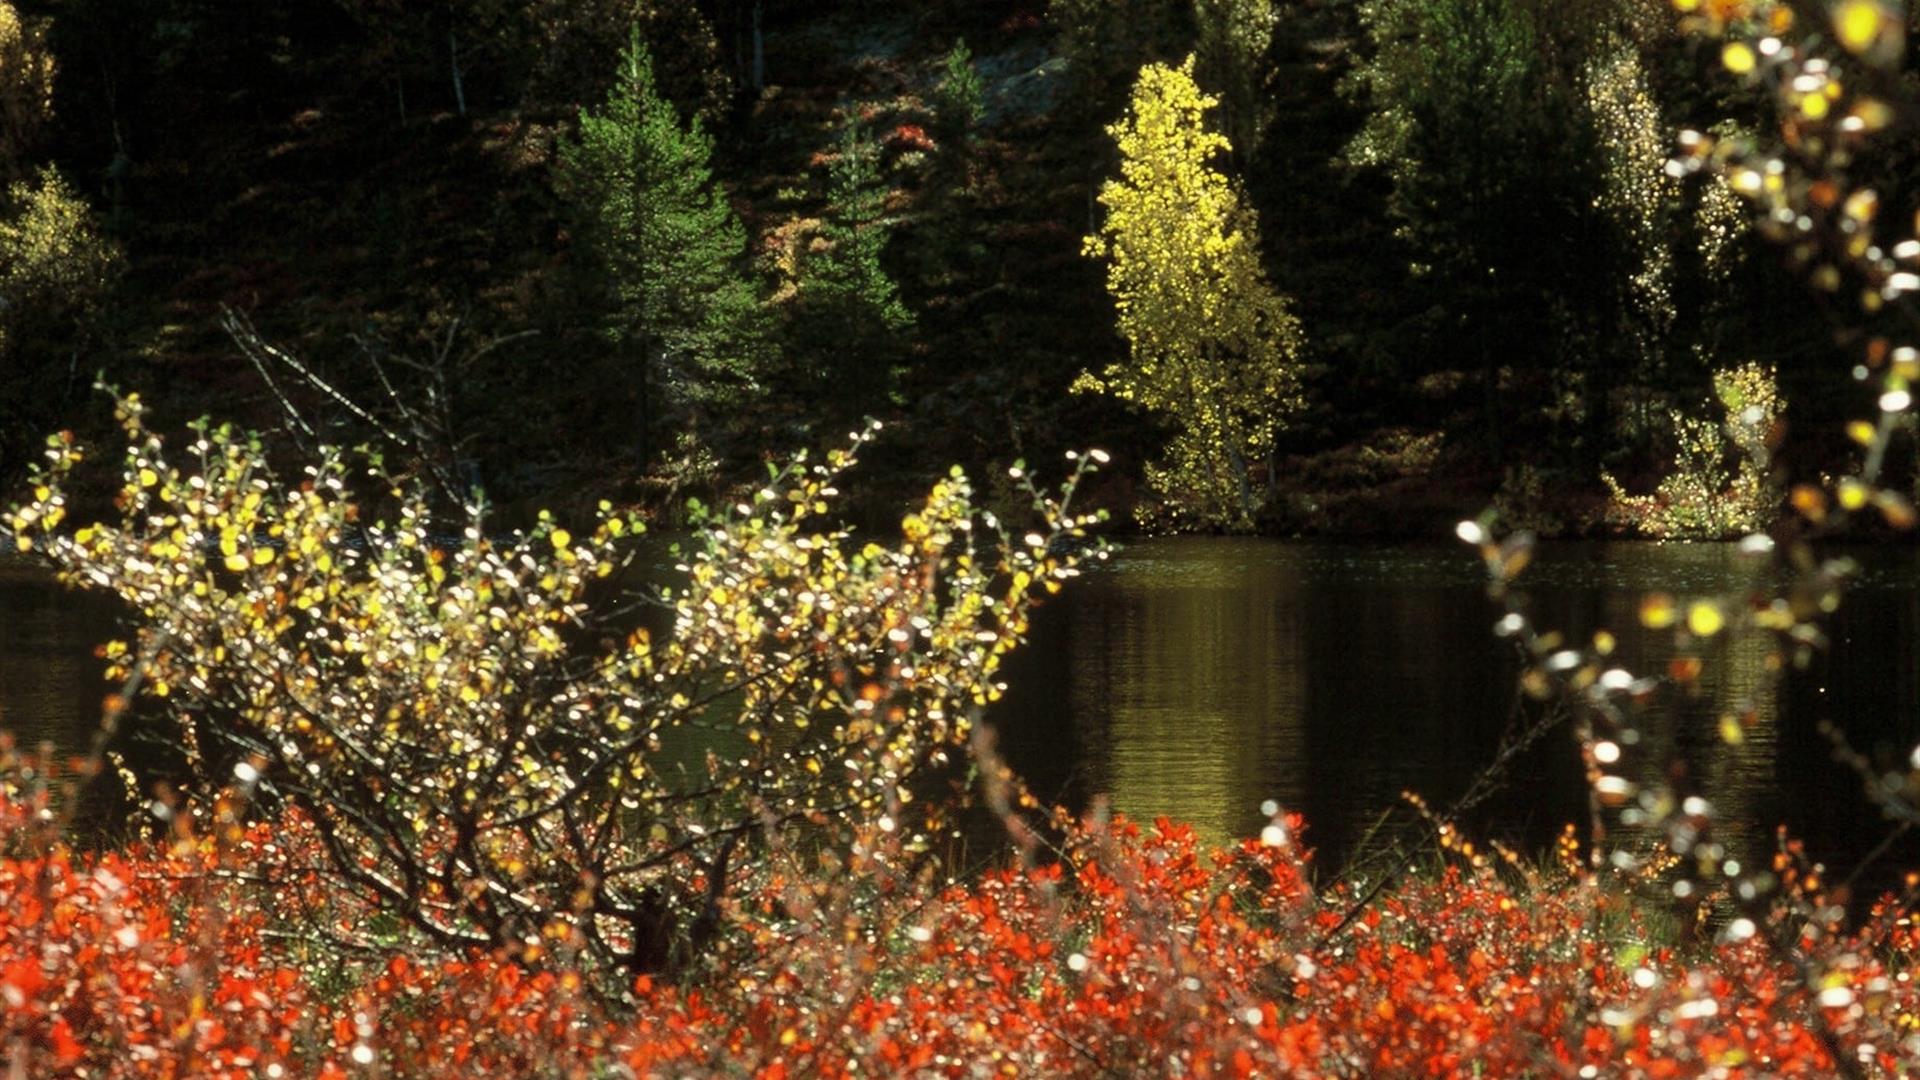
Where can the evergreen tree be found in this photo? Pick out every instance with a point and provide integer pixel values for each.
(849, 312)
(957, 102)
(673, 296)
(1212, 348)
(1105, 42)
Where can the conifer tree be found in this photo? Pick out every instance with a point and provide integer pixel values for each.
(958, 104)
(850, 314)
(1105, 41)
(674, 294)
(1212, 347)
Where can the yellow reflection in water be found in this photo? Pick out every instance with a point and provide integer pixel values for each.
(1682, 742)
(1190, 689)
(50, 685)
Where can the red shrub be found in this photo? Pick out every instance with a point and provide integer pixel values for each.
(1136, 953)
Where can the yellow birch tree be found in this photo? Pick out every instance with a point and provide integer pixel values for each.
(1212, 347)
(26, 87)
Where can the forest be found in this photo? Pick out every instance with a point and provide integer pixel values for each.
(574, 477)
(561, 252)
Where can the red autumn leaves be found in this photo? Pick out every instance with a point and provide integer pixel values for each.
(1135, 953)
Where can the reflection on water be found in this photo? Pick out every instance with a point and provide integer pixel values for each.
(1193, 629)
(50, 683)
(1197, 678)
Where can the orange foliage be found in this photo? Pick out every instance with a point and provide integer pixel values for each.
(1137, 953)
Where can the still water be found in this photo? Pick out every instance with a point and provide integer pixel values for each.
(1197, 678)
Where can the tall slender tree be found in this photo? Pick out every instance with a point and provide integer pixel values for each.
(1516, 132)
(850, 319)
(668, 256)
(1212, 347)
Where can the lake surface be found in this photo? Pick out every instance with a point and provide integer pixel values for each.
(1197, 678)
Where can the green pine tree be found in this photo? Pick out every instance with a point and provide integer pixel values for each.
(850, 313)
(667, 253)
(959, 100)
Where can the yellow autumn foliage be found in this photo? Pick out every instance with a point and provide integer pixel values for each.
(54, 263)
(26, 87)
(485, 750)
(1211, 346)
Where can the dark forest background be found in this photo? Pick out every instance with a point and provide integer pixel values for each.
(1502, 292)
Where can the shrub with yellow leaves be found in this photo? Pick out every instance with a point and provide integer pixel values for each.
(489, 757)
(1722, 483)
(56, 272)
(26, 86)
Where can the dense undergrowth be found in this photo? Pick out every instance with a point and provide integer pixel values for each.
(1123, 951)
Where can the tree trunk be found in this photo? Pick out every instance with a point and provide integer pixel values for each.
(759, 52)
(453, 58)
(645, 446)
(1229, 439)
(1241, 481)
(646, 420)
